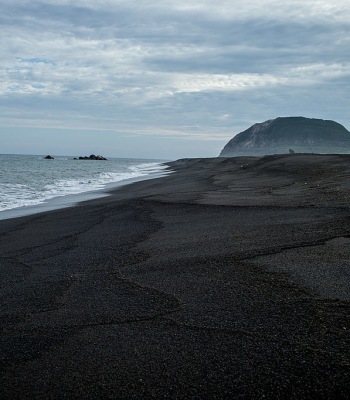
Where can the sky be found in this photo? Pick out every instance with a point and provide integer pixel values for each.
(165, 79)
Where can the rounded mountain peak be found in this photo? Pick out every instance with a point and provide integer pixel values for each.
(294, 134)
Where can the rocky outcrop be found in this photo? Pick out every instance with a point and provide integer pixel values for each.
(48, 157)
(91, 157)
(278, 136)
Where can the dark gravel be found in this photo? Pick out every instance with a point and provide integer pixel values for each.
(227, 279)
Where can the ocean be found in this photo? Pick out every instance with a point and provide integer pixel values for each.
(28, 181)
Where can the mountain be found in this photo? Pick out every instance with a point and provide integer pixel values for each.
(301, 135)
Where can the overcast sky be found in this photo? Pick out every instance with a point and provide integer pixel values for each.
(168, 78)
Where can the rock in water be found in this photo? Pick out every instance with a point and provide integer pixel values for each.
(277, 136)
(92, 157)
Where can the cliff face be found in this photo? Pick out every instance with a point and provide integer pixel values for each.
(277, 136)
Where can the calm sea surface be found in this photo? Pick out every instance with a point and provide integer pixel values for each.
(27, 180)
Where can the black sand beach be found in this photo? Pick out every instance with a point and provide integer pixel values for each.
(228, 278)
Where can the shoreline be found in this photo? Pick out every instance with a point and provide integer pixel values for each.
(72, 200)
(229, 277)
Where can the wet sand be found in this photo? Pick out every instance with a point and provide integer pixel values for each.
(228, 278)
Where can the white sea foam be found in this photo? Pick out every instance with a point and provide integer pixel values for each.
(148, 168)
(29, 181)
(17, 195)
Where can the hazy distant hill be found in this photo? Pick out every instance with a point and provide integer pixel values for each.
(302, 135)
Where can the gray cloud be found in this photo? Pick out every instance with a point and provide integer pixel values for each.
(186, 70)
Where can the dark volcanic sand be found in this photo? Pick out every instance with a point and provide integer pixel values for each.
(226, 279)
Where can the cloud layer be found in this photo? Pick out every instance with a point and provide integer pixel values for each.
(187, 70)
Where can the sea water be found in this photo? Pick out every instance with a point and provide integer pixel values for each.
(28, 180)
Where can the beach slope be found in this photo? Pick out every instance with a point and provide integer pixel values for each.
(228, 278)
